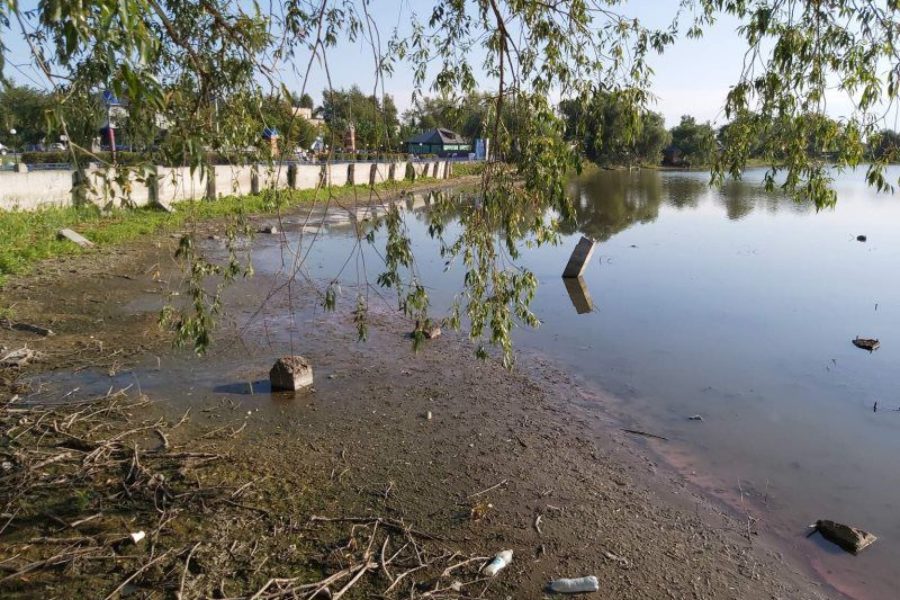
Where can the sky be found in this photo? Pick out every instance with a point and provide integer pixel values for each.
(692, 76)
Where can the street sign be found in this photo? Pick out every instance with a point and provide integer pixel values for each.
(110, 99)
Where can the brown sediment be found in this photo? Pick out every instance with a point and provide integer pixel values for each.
(500, 450)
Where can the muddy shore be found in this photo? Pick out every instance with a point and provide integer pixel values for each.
(528, 460)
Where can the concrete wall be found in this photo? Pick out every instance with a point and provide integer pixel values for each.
(38, 189)
(337, 174)
(104, 188)
(274, 177)
(308, 176)
(378, 172)
(176, 184)
(31, 191)
(233, 180)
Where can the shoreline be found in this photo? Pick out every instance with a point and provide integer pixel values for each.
(500, 450)
(674, 463)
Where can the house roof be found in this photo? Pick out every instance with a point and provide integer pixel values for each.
(437, 136)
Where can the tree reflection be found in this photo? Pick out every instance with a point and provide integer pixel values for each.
(609, 202)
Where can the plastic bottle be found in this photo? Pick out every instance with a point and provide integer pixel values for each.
(500, 561)
(575, 586)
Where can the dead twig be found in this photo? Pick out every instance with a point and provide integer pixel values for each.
(485, 491)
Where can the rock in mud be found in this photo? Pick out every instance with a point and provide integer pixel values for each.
(291, 373)
(271, 229)
(849, 538)
(867, 344)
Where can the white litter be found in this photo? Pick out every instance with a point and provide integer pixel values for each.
(500, 561)
(575, 586)
(137, 536)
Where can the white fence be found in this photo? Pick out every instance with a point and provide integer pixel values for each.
(23, 190)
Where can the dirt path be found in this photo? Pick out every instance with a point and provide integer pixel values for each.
(527, 461)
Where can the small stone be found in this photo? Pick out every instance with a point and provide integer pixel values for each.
(849, 538)
(861, 238)
(867, 344)
(695, 418)
(291, 373)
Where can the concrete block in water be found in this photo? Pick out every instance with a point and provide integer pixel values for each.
(290, 373)
(580, 257)
(579, 294)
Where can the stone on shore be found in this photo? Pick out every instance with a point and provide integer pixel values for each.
(849, 538)
(76, 238)
(291, 373)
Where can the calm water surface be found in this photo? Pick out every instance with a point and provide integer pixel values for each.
(740, 306)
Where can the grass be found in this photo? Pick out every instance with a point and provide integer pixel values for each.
(466, 169)
(30, 237)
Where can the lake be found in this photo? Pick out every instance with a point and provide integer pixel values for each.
(739, 306)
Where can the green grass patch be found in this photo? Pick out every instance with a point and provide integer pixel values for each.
(467, 169)
(29, 237)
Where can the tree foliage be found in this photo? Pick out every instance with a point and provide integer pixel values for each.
(611, 130)
(696, 141)
(467, 116)
(375, 119)
(24, 109)
(885, 146)
(181, 63)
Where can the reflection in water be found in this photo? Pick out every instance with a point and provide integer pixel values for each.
(609, 202)
(579, 294)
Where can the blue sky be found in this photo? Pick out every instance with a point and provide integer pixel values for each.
(691, 77)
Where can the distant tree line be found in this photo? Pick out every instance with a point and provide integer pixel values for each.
(607, 129)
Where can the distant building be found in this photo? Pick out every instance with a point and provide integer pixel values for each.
(307, 113)
(271, 135)
(442, 142)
